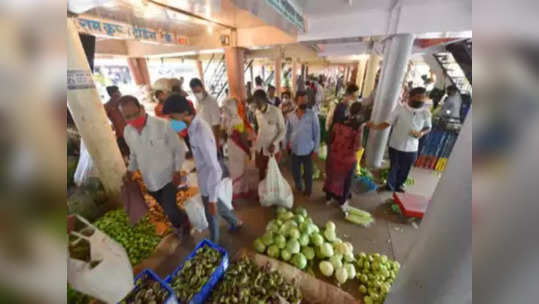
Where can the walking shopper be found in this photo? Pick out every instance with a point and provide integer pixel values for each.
(158, 152)
(236, 130)
(452, 103)
(287, 105)
(303, 137)
(115, 116)
(207, 107)
(341, 111)
(410, 122)
(273, 99)
(161, 96)
(271, 131)
(209, 170)
(345, 141)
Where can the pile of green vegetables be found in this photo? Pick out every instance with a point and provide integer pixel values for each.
(195, 273)
(138, 240)
(384, 173)
(146, 291)
(290, 237)
(376, 273)
(75, 297)
(294, 238)
(245, 282)
(358, 216)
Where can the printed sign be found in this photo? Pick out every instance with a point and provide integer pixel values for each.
(79, 79)
(118, 30)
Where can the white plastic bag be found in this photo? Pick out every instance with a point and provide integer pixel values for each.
(274, 189)
(84, 166)
(224, 192)
(110, 280)
(195, 211)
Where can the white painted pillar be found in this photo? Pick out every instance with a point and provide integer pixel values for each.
(438, 268)
(90, 118)
(397, 53)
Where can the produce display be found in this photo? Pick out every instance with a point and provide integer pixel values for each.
(290, 237)
(376, 273)
(155, 213)
(358, 216)
(146, 291)
(138, 240)
(195, 273)
(294, 238)
(245, 282)
(384, 173)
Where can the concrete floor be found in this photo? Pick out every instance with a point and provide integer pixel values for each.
(390, 234)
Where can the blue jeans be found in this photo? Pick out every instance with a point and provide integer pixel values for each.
(400, 166)
(307, 163)
(213, 220)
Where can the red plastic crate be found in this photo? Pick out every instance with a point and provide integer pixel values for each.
(411, 205)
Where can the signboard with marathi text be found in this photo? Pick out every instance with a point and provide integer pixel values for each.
(118, 30)
(289, 12)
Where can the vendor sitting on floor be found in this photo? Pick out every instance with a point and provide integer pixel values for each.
(209, 170)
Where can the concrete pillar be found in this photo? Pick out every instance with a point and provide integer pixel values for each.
(373, 64)
(251, 74)
(278, 62)
(438, 268)
(90, 118)
(353, 73)
(139, 70)
(200, 70)
(397, 53)
(294, 76)
(361, 66)
(234, 57)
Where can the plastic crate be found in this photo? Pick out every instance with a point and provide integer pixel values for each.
(171, 299)
(206, 290)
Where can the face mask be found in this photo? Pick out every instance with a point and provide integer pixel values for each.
(416, 104)
(138, 123)
(199, 96)
(303, 106)
(177, 125)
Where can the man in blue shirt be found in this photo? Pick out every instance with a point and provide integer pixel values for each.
(303, 139)
(209, 170)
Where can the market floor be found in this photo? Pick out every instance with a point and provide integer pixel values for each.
(390, 234)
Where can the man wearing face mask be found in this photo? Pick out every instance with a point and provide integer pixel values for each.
(410, 122)
(287, 105)
(271, 131)
(209, 170)
(158, 152)
(303, 138)
(207, 107)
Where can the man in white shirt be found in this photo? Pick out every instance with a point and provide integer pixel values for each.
(157, 151)
(207, 107)
(271, 131)
(209, 170)
(410, 122)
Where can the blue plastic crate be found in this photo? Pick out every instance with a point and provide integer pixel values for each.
(171, 299)
(206, 290)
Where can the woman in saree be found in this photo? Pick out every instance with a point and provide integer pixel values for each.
(237, 131)
(344, 142)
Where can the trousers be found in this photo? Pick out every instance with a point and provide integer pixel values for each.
(307, 162)
(166, 197)
(400, 166)
(213, 220)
